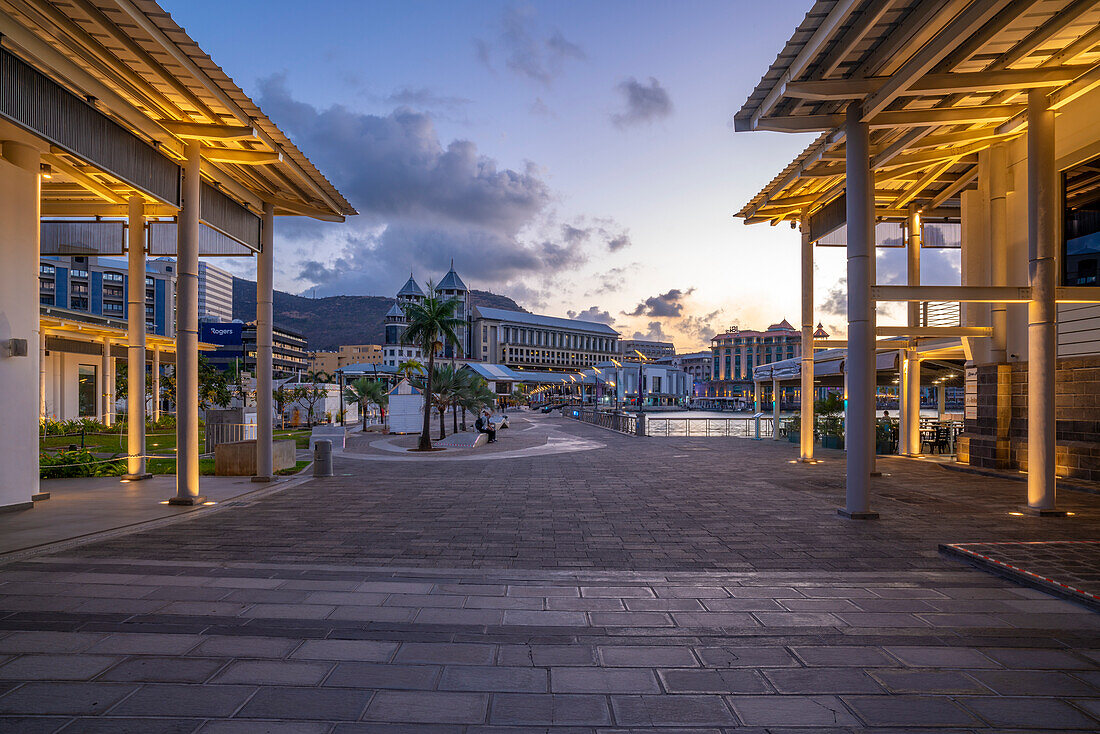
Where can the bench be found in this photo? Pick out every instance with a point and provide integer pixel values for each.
(333, 433)
(467, 440)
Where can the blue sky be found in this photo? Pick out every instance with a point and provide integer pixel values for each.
(577, 156)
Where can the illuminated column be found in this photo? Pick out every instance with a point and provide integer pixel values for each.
(909, 442)
(860, 416)
(41, 374)
(1043, 226)
(998, 241)
(757, 395)
(265, 264)
(156, 383)
(806, 406)
(775, 408)
(19, 254)
(187, 336)
(135, 349)
(107, 381)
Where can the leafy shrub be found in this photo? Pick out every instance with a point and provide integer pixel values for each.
(78, 463)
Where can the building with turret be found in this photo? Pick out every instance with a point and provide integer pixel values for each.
(450, 286)
(737, 351)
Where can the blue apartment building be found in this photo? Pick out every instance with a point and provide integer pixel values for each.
(99, 286)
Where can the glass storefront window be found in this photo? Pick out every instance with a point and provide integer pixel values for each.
(86, 391)
(1081, 238)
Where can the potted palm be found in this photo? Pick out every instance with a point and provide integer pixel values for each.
(830, 421)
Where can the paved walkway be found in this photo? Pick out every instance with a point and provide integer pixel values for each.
(680, 584)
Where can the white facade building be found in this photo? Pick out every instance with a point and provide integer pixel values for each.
(215, 293)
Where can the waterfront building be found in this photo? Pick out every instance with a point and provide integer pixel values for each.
(736, 352)
(450, 286)
(347, 354)
(698, 365)
(532, 341)
(215, 293)
(630, 348)
(98, 286)
(976, 132)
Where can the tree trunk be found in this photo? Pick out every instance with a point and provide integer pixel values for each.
(454, 416)
(425, 433)
(442, 425)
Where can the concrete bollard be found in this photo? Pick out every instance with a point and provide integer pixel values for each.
(322, 458)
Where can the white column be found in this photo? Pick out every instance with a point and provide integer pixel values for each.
(19, 253)
(909, 438)
(107, 382)
(187, 336)
(941, 401)
(1043, 227)
(42, 374)
(156, 383)
(806, 406)
(998, 241)
(265, 264)
(757, 396)
(860, 418)
(135, 349)
(775, 409)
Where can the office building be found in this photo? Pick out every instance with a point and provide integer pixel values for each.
(235, 348)
(531, 341)
(630, 348)
(98, 286)
(215, 293)
(329, 361)
(736, 352)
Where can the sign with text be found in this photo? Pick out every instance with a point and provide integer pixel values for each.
(970, 397)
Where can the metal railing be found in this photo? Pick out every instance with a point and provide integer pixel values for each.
(715, 427)
(219, 433)
(621, 422)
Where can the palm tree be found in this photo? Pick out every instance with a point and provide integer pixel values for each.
(444, 390)
(366, 392)
(430, 322)
(410, 367)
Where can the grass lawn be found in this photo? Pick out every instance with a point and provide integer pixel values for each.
(168, 466)
(160, 442)
(298, 466)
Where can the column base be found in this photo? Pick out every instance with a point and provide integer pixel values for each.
(1038, 512)
(40, 496)
(136, 477)
(186, 501)
(858, 515)
(876, 474)
(259, 479)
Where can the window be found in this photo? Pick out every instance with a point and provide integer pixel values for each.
(86, 390)
(78, 273)
(112, 277)
(1081, 231)
(47, 269)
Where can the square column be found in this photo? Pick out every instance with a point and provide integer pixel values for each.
(1043, 226)
(775, 409)
(757, 396)
(265, 269)
(909, 402)
(860, 364)
(187, 336)
(42, 375)
(19, 252)
(806, 403)
(107, 383)
(998, 245)
(135, 348)
(155, 374)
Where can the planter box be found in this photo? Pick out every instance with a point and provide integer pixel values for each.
(832, 442)
(884, 447)
(238, 459)
(794, 437)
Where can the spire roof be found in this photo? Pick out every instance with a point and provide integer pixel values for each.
(410, 288)
(821, 333)
(783, 325)
(395, 311)
(451, 281)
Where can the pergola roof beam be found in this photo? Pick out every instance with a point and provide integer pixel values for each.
(914, 191)
(963, 83)
(897, 118)
(960, 183)
(207, 131)
(1077, 88)
(241, 157)
(85, 180)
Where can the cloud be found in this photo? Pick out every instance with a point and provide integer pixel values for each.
(421, 203)
(619, 242)
(938, 266)
(665, 305)
(655, 333)
(529, 50)
(593, 313)
(540, 108)
(836, 301)
(699, 328)
(643, 103)
(425, 98)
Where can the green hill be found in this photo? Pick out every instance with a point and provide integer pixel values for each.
(329, 322)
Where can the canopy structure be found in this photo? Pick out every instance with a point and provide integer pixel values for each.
(937, 128)
(119, 134)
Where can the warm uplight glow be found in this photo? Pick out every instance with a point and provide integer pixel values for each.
(1070, 514)
(46, 171)
(1016, 514)
(210, 502)
(164, 502)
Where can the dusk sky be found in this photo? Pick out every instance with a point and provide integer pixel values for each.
(576, 156)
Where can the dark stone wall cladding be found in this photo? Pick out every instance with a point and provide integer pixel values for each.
(1077, 410)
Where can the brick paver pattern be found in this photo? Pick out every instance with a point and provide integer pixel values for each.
(687, 584)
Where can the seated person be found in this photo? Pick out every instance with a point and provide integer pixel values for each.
(484, 424)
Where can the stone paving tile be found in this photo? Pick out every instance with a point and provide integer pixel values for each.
(603, 680)
(927, 681)
(289, 611)
(150, 669)
(378, 675)
(523, 617)
(683, 680)
(145, 644)
(791, 711)
(1018, 658)
(556, 709)
(445, 653)
(689, 710)
(1033, 683)
(374, 614)
(668, 605)
(460, 616)
(370, 651)
(735, 656)
(910, 711)
(165, 699)
(273, 672)
(934, 656)
(33, 641)
(1029, 713)
(286, 703)
(130, 725)
(547, 655)
(822, 680)
(429, 707)
(843, 655)
(244, 647)
(652, 656)
(56, 667)
(493, 679)
(265, 727)
(46, 698)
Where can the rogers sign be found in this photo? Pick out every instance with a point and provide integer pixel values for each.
(221, 334)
